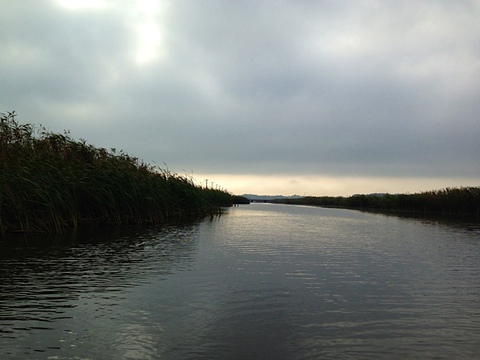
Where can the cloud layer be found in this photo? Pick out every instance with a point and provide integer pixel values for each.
(337, 89)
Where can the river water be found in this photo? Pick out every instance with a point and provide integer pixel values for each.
(262, 281)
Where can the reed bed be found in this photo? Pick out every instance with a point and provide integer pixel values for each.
(455, 201)
(49, 181)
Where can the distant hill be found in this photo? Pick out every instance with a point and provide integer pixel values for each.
(254, 197)
(373, 194)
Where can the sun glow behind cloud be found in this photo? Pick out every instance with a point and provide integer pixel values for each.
(148, 31)
(142, 17)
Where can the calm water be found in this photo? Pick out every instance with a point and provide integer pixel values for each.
(260, 282)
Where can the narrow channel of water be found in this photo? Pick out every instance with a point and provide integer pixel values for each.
(260, 282)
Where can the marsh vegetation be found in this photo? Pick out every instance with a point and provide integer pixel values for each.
(49, 181)
(465, 200)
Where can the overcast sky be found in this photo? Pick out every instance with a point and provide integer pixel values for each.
(287, 97)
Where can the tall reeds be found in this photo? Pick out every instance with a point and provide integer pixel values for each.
(464, 200)
(49, 181)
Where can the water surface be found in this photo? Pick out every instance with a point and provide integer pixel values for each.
(260, 282)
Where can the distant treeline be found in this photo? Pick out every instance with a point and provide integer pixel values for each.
(49, 181)
(465, 200)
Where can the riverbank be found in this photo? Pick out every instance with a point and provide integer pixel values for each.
(452, 201)
(50, 181)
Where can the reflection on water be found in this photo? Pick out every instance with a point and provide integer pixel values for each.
(263, 282)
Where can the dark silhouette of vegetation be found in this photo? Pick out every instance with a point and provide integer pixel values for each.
(465, 200)
(237, 199)
(49, 181)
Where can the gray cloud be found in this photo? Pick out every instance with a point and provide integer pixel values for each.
(369, 88)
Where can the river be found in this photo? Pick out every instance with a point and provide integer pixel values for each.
(262, 281)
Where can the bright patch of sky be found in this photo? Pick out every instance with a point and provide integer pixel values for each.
(148, 30)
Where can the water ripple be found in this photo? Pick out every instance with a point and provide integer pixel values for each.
(262, 282)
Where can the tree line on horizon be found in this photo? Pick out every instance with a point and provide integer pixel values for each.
(49, 181)
(463, 200)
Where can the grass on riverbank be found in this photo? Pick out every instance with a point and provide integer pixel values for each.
(465, 200)
(49, 181)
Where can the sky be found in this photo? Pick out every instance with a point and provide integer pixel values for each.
(326, 97)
